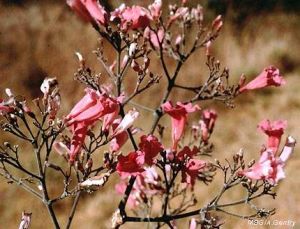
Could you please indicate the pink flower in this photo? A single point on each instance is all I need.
(89, 10)
(191, 170)
(4, 109)
(71, 150)
(110, 117)
(134, 17)
(155, 9)
(187, 152)
(51, 98)
(79, 131)
(88, 110)
(269, 167)
(129, 165)
(126, 122)
(91, 107)
(149, 148)
(217, 24)
(146, 184)
(133, 199)
(178, 115)
(5, 104)
(274, 130)
(181, 12)
(207, 123)
(193, 223)
(156, 38)
(270, 76)
(287, 149)
(119, 139)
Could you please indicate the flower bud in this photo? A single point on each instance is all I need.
(132, 49)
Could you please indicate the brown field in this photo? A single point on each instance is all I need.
(39, 40)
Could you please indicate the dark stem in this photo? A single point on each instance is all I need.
(73, 210)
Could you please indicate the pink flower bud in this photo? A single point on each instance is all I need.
(217, 23)
(208, 48)
(124, 61)
(25, 221)
(178, 40)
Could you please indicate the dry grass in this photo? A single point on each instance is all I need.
(39, 39)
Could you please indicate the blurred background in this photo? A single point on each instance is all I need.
(39, 38)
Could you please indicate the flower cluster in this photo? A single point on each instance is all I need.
(270, 165)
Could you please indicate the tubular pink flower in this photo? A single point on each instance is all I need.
(146, 184)
(191, 171)
(134, 17)
(181, 12)
(119, 139)
(217, 23)
(5, 104)
(287, 149)
(89, 11)
(193, 224)
(109, 118)
(207, 123)
(269, 167)
(187, 152)
(178, 115)
(149, 148)
(80, 10)
(274, 130)
(92, 107)
(5, 109)
(155, 9)
(129, 165)
(79, 131)
(191, 167)
(270, 76)
(88, 110)
(133, 199)
(156, 38)
(126, 122)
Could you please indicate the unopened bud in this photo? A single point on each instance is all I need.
(242, 80)
(7, 144)
(217, 23)
(124, 61)
(9, 92)
(25, 221)
(132, 49)
(240, 153)
(81, 60)
(170, 155)
(116, 219)
(89, 164)
(251, 163)
(208, 48)
(112, 66)
(178, 40)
